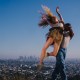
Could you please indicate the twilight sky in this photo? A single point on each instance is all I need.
(19, 31)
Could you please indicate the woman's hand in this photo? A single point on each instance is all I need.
(57, 9)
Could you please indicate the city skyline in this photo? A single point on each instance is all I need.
(19, 31)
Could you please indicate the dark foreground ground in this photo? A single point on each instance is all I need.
(30, 77)
(27, 70)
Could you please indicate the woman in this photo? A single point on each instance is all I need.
(55, 36)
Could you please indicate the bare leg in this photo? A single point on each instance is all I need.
(55, 50)
(43, 52)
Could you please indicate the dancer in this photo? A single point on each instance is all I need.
(60, 57)
(55, 35)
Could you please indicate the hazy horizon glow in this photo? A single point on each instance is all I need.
(19, 31)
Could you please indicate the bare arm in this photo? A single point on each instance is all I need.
(60, 16)
(56, 49)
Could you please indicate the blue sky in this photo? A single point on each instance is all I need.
(19, 31)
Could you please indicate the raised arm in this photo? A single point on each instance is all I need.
(60, 16)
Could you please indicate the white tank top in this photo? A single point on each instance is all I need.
(58, 25)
